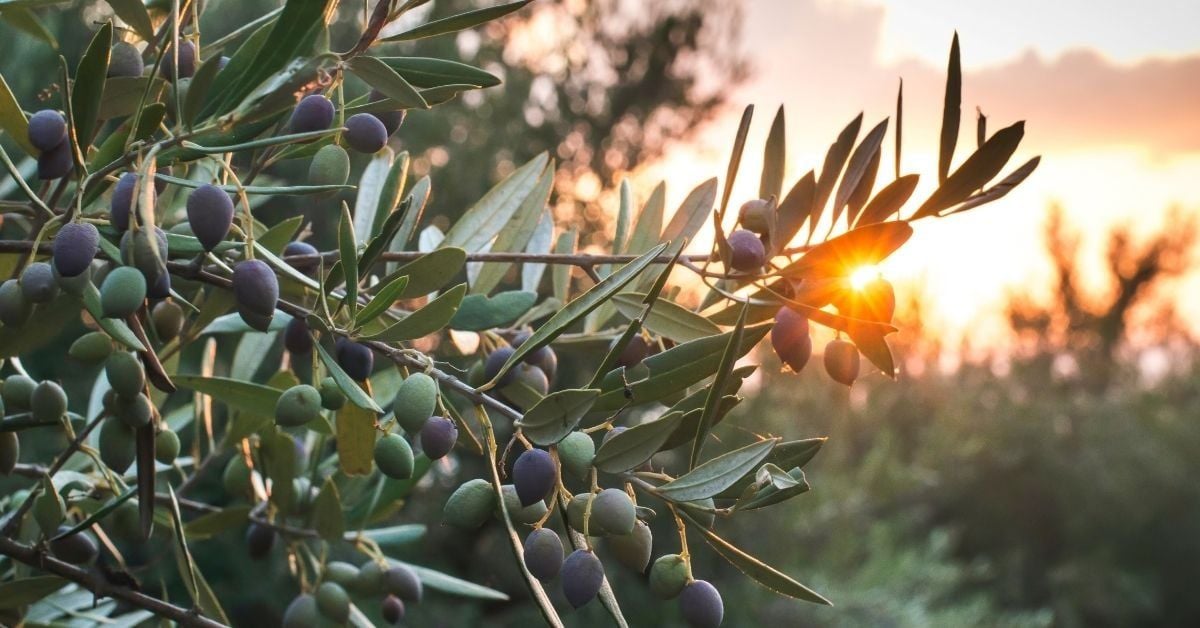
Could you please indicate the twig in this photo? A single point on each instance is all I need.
(94, 582)
(15, 520)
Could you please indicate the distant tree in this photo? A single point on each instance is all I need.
(1093, 328)
(602, 86)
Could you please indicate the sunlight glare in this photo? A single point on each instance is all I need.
(862, 276)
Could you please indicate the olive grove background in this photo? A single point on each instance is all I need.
(1054, 484)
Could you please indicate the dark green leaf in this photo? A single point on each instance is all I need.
(580, 307)
(636, 445)
(735, 160)
(556, 415)
(795, 208)
(717, 474)
(476, 228)
(790, 455)
(428, 72)
(1002, 188)
(88, 89)
(237, 394)
(982, 166)
(287, 190)
(12, 119)
(479, 311)
(757, 570)
(951, 112)
(782, 487)
(713, 402)
(858, 167)
(831, 169)
(382, 300)
(888, 201)
(353, 391)
(431, 271)
(382, 77)
(133, 13)
(348, 250)
(774, 159)
(666, 318)
(17, 593)
(430, 318)
(516, 233)
(461, 21)
(674, 370)
(328, 520)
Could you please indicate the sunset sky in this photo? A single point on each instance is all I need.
(1110, 92)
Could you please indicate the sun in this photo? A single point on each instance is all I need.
(862, 276)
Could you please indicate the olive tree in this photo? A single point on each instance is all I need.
(322, 386)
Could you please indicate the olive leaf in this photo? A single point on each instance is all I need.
(328, 520)
(666, 318)
(774, 159)
(383, 299)
(378, 74)
(478, 312)
(556, 415)
(430, 318)
(951, 112)
(15, 594)
(355, 439)
(454, 23)
(636, 445)
(717, 474)
(352, 390)
(712, 403)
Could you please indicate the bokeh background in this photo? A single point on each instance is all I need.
(1036, 462)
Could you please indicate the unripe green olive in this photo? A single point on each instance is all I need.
(470, 505)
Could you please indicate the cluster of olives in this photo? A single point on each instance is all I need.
(330, 599)
(44, 401)
(48, 134)
(534, 373)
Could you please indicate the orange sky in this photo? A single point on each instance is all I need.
(1111, 97)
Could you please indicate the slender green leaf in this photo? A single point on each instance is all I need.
(735, 159)
(580, 307)
(491, 213)
(286, 190)
(348, 250)
(237, 394)
(858, 167)
(100, 513)
(888, 201)
(636, 445)
(789, 455)
(712, 403)
(1002, 188)
(718, 474)
(951, 112)
(133, 13)
(757, 570)
(395, 537)
(666, 318)
(449, 584)
(560, 274)
(835, 160)
(774, 159)
(88, 89)
(12, 119)
(461, 21)
(353, 391)
(428, 72)
(781, 486)
(430, 318)
(382, 300)
(478, 312)
(516, 234)
(17, 593)
(982, 166)
(382, 77)
(556, 415)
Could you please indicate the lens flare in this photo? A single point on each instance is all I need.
(863, 276)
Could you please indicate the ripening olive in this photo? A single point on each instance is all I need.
(394, 457)
(470, 505)
(544, 358)
(841, 361)
(341, 572)
(10, 452)
(125, 373)
(75, 247)
(38, 283)
(493, 363)
(48, 402)
(415, 401)
(47, 129)
(633, 549)
(391, 120)
(122, 293)
(125, 60)
(369, 579)
(259, 541)
(576, 452)
(790, 339)
(582, 576)
(56, 163)
(332, 397)
(402, 582)
(78, 549)
(543, 554)
(365, 133)
(701, 605)
(186, 61)
(18, 391)
(356, 359)
(392, 609)
(166, 446)
(613, 512)
(296, 337)
(117, 444)
(210, 213)
(438, 437)
(122, 201)
(236, 477)
(746, 251)
(333, 602)
(527, 515)
(168, 319)
(313, 113)
(755, 215)
(330, 166)
(256, 290)
(301, 612)
(534, 476)
(298, 405)
(135, 411)
(306, 266)
(669, 575)
(14, 307)
(634, 352)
